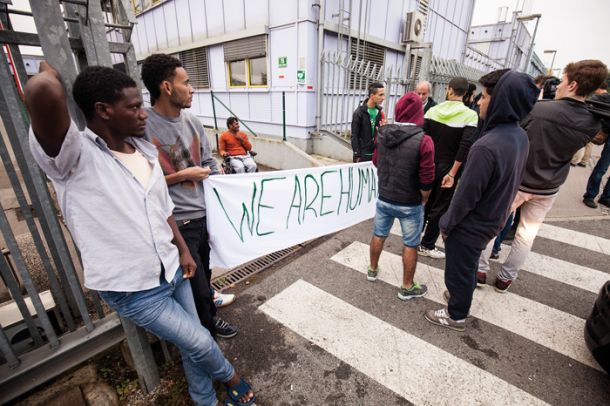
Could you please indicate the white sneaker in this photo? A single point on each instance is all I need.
(223, 299)
(434, 254)
(441, 318)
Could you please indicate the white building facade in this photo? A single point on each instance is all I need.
(508, 44)
(250, 53)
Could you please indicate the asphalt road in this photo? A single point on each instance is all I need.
(314, 331)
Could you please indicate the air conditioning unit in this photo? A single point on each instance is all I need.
(413, 30)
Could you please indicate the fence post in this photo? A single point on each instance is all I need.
(143, 359)
(284, 114)
(215, 122)
(214, 110)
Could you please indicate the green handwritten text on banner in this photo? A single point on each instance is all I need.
(251, 215)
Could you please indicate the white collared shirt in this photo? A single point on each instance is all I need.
(119, 226)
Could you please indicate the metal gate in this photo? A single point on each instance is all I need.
(345, 80)
(48, 323)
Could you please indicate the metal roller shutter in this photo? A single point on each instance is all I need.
(195, 62)
(246, 48)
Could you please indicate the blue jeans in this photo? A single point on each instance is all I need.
(168, 311)
(598, 173)
(411, 221)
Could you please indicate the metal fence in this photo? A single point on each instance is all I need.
(345, 80)
(441, 71)
(48, 323)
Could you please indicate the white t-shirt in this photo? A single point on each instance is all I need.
(137, 164)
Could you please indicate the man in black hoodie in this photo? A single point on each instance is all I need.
(481, 204)
(556, 130)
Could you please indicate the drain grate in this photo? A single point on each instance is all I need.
(250, 268)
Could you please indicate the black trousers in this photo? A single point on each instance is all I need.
(437, 205)
(461, 265)
(195, 236)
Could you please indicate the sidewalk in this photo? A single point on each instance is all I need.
(569, 205)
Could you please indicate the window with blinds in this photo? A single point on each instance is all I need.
(195, 62)
(246, 61)
(375, 54)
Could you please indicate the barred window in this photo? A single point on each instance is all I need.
(367, 52)
(195, 62)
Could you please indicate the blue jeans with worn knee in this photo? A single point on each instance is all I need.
(168, 311)
(598, 173)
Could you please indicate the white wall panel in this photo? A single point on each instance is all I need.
(283, 42)
(257, 13)
(376, 18)
(308, 41)
(198, 19)
(183, 15)
(306, 11)
(171, 25)
(150, 33)
(238, 103)
(216, 61)
(159, 26)
(214, 17)
(332, 7)
(395, 20)
(234, 15)
(260, 106)
(140, 41)
(282, 11)
(196, 105)
(205, 106)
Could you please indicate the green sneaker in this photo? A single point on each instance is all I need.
(371, 274)
(416, 290)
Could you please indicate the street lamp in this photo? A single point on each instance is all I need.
(554, 52)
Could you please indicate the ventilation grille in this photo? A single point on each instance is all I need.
(415, 64)
(367, 52)
(423, 6)
(243, 272)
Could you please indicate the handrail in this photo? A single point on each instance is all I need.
(230, 111)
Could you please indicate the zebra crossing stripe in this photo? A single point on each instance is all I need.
(552, 268)
(576, 238)
(561, 271)
(542, 324)
(412, 368)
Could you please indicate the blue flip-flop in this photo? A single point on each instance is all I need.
(235, 392)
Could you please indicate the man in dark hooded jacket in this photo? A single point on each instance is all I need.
(405, 169)
(482, 201)
(556, 129)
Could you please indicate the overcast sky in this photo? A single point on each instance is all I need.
(576, 29)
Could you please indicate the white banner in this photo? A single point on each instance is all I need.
(251, 215)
